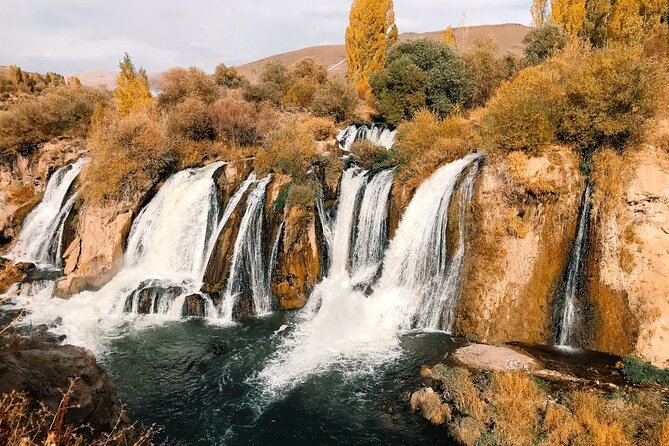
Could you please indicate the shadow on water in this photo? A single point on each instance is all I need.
(197, 381)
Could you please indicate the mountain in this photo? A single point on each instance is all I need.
(508, 36)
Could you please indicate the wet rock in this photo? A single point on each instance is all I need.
(150, 298)
(41, 367)
(11, 273)
(497, 358)
(430, 406)
(194, 306)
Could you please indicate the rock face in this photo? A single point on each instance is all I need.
(525, 212)
(233, 175)
(38, 365)
(10, 273)
(299, 263)
(628, 284)
(95, 254)
(23, 179)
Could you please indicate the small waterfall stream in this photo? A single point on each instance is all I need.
(247, 269)
(570, 318)
(379, 134)
(40, 238)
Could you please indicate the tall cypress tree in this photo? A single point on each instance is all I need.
(371, 31)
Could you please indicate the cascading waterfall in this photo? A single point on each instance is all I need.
(247, 268)
(379, 134)
(372, 227)
(40, 238)
(352, 184)
(341, 325)
(437, 310)
(569, 319)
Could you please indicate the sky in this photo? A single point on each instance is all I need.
(71, 36)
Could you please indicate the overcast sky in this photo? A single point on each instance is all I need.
(69, 36)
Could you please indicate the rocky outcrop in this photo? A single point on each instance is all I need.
(95, 254)
(525, 213)
(219, 263)
(299, 263)
(38, 365)
(628, 284)
(11, 273)
(23, 179)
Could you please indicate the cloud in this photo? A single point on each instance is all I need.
(78, 35)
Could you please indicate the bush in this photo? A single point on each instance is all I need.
(488, 70)
(288, 150)
(228, 77)
(523, 115)
(129, 154)
(303, 195)
(370, 156)
(321, 128)
(336, 99)
(420, 74)
(239, 122)
(301, 93)
(641, 372)
(542, 43)
(60, 111)
(275, 80)
(177, 84)
(190, 120)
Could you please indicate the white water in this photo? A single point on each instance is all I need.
(352, 182)
(570, 316)
(339, 324)
(247, 268)
(378, 134)
(40, 238)
(372, 225)
(166, 248)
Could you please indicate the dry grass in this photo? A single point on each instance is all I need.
(509, 408)
(23, 424)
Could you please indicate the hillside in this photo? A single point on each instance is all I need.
(509, 37)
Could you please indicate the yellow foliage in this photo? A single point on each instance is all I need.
(371, 31)
(570, 14)
(626, 24)
(448, 37)
(288, 150)
(132, 88)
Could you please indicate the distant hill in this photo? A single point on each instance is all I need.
(508, 36)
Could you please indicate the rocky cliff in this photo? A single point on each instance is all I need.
(524, 217)
(628, 283)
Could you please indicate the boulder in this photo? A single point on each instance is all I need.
(194, 306)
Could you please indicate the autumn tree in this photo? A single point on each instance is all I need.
(448, 37)
(539, 12)
(570, 14)
(595, 27)
(132, 88)
(370, 33)
(626, 24)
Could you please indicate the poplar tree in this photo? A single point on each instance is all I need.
(626, 24)
(570, 14)
(448, 37)
(597, 15)
(539, 11)
(132, 88)
(371, 31)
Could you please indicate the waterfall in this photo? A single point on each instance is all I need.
(40, 238)
(372, 228)
(340, 324)
(379, 134)
(275, 252)
(247, 268)
(352, 183)
(569, 320)
(438, 306)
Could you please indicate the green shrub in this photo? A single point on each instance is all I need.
(228, 77)
(420, 74)
(640, 372)
(542, 43)
(335, 99)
